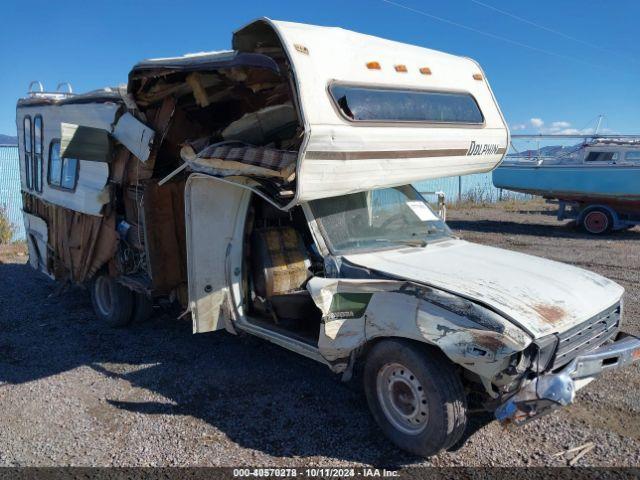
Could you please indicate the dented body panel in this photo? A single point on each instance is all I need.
(539, 295)
(358, 311)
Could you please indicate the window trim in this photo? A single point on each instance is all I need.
(38, 157)
(397, 123)
(28, 165)
(59, 186)
(614, 153)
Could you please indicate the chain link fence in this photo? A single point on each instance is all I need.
(10, 197)
(476, 188)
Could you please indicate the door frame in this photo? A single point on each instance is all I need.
(234, 274)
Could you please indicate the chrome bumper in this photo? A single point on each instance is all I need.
(553, 390)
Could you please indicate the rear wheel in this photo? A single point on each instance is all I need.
(415, 396)
(112, 302)
(597, 221)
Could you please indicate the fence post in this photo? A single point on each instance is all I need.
(459, 188)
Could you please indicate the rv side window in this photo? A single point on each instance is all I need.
(378, 104)
(602, 157)
(63, 172)
(27, 143)
(633, 156)
(37, 153)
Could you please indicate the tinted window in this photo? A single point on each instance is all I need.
(69, 173)
(395, 105)
(37, 153)
(602, 157)
(63, 172)
(28, 148)
(55, 163)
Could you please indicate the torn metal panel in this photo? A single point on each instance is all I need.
(358, 311)
(37, 239)
(343, 304)
(134, 135)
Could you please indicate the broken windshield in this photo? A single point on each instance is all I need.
(377, 219)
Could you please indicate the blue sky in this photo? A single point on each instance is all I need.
(585, 60)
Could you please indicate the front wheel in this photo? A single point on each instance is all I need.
(415, 396)
(112, 302)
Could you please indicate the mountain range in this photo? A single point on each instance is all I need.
(8, 140)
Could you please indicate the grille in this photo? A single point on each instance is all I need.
(587, 336)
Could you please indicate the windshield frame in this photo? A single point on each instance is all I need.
(323, 239)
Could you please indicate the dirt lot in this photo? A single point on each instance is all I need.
(73, 392)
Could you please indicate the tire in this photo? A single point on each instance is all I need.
(112, 302)
(142, 308)
(415, 396)
(597, 221)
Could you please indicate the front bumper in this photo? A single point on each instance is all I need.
(553, 390)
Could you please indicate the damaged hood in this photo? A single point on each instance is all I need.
(542, 296)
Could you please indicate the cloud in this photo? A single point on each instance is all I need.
(518, 126)
(536, 122)
(560, 124)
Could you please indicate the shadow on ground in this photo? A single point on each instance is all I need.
(261, 396)
(567, 230)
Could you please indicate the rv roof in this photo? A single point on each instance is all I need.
(107, 94)
(204, 60)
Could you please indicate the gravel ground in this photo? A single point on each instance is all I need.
(73, 392)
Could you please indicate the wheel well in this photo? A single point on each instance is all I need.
(364, 350)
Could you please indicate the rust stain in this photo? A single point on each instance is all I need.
(489, 341)
(550, 313)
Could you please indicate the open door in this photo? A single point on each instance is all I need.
(214, 221)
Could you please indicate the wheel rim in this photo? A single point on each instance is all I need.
(596, 222)
(402, 398)
(104, 295)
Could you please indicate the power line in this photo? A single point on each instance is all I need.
(491, 35)
(551, 30)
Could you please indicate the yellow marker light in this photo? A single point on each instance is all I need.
(636, 355)
(301, 48)
(373, 66)
(425, 71)
(400, 68)
(477, 76)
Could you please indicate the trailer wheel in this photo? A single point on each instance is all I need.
(597, 221)
(415, 396)
(112, 302)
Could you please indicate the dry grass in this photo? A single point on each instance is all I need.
(12, 251)
(7, 229)
(509, 205)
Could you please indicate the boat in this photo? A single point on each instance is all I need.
(596, 183)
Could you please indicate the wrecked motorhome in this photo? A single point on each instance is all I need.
(267, 189)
